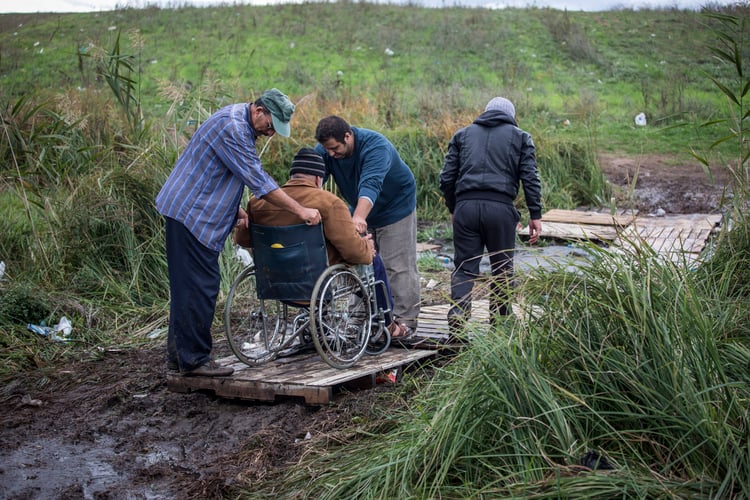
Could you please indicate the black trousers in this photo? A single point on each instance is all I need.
(480, 224)
(194, 280)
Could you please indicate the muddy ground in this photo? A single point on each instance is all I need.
(106, 427)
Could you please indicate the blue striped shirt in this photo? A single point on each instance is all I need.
(204, 190)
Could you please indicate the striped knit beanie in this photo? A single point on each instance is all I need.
(308, 161)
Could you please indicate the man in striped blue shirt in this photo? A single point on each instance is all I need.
(200, 202)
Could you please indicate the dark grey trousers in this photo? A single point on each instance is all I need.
(480, 224)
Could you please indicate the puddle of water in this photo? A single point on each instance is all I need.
(44, 469)
(528, 258)
(49, 468)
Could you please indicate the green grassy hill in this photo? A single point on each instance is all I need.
(395, 67)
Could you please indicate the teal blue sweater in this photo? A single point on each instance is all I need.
(374, 171)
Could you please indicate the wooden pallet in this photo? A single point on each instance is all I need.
(433, 322)
(679, 237)
(303, 376)
(583, 225)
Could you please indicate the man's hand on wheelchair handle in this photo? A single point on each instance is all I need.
(242, 218)
(370, 243)
(311, 216)
(360, 224)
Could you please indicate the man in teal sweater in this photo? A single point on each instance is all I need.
(382, 194)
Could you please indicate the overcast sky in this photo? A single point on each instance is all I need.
(572, 5)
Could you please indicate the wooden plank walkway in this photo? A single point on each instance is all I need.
(677, 237)
(620, 219)
(433, 322)
(303, 376)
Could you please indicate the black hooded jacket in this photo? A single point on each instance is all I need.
(486, 161)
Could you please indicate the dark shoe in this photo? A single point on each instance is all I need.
(210, 369)
(457, 340)
(172, 366)
(457, 325)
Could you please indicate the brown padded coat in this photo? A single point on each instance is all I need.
(343, 243)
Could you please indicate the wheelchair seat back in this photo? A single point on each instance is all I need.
(288, 260)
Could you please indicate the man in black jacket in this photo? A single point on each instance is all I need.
(480, 180)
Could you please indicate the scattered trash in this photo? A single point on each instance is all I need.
(640, 119)
(244, 256)
(445, 260)
(431, 284)
(566, 123)
(387, 377)
(660, 212)
(2, 269)
(596, 461)
(307, 437)
(388, 52)
(27, 400)
(64, 328)
(158, 332)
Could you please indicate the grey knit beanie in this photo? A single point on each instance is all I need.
(501, 104)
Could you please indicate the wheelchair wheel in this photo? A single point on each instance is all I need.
(379, 341)
(340, 316)
(255, 328)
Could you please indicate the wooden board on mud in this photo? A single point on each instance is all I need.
(582, 225)
(304, 376)
(678, 237)
(588, 217)
(433, 320)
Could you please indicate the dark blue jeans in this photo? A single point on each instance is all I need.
(480, 224)
(194, 280)
(383, 295)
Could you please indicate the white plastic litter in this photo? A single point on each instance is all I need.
(244, 256)
(156, 333)
(640, 119)
(64, 328)
(2, 269)
(51, 331)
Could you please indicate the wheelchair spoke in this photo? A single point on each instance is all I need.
(256, 329)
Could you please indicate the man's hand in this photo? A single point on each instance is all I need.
(535, 229)
(370, 243)
(311, 216)
(242, 218)
(360, 224)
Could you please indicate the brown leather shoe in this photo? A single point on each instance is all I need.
(209, 369)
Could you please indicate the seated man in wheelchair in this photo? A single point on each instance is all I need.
(343, 243)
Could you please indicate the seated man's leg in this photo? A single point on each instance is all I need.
(383, 295)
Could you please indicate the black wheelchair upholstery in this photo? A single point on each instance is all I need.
(288, 260)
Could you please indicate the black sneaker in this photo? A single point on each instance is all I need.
(209, 369)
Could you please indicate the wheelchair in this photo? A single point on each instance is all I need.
(290, 300)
